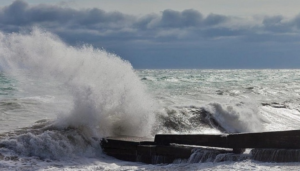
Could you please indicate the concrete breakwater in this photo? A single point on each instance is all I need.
(279, 146)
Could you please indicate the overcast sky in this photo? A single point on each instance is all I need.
(223, 34)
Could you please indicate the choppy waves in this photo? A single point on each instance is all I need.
(85, 94)
(107, 94)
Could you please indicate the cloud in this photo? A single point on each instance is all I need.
(296, 21)
(175, 19)
(277, 24)
(20, 15)
(168, 25)
(170, 29)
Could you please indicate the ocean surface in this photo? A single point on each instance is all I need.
(58, 101)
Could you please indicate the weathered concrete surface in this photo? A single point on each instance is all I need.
(197, 139)
(279, 146)
(278, 139)
(123, 147)
(143, 150)
(190, 139)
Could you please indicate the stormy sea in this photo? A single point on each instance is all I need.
(58, 101)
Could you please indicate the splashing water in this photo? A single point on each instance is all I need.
(108, 97)
(237, 118)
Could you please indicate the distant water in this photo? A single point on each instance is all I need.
(57, 102)
(239, 100)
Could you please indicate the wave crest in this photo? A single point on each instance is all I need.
(108, 97)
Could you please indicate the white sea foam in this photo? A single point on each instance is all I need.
(108, 95)
(237, 118)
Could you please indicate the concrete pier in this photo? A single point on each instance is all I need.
(278, 139)
(144, 150)
(165, 148)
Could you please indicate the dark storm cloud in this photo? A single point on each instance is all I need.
(169, 33)
(170, 19)
(169, 25)
(277, 24)
(175, 19)
(19, 13)
(296, 21)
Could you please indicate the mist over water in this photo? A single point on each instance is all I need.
(108, 97)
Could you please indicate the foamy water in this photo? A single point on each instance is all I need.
(58, 101)
(105, 90)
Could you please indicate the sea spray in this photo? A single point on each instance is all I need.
(108, 97)
(237, 118)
